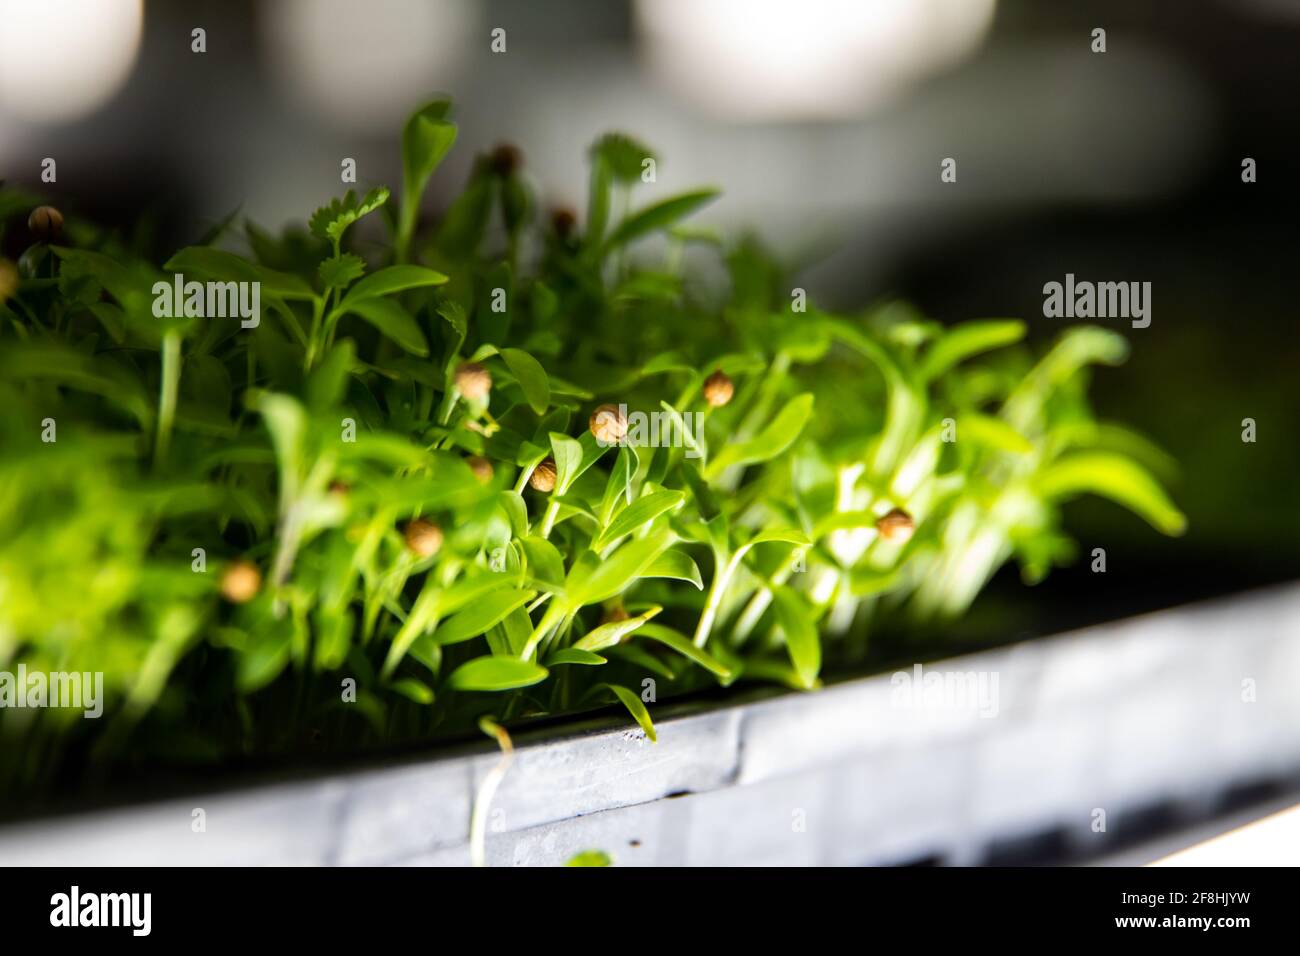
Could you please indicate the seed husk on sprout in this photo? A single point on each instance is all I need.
(718, 389)
(505, 159)
(473, 381)
(608, 424)
(423, 537)
(481, 467)
(895, 525)
(240, 582)
(46, 223)
(563, 220)
(543, 477)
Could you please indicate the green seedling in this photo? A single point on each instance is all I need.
(389, 509)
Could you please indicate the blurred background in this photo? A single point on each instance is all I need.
(825, 121)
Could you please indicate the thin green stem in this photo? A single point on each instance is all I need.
(761, 600)
(554, 614)
(716, 590)
(167, 389)
(333, 299)
(317, 315)
(548, 520)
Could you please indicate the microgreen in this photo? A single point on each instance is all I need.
(400, 463)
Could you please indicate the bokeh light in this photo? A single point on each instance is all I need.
(769, 59)
(361, 65)
(62, 59)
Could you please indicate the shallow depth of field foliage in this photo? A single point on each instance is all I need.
(445, 592)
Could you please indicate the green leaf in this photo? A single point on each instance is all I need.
(468, 590)
(204, 261)
(782, 535)
(263, 661)
(483, 614)
(338, 272)
(1115, 477)
(129, 286)
(1078, 346)
(574, 655)
(496, 674)
(607, 635)
(532, 378)
(773, 671)
(667, 362)
(643, 659)
(624, 156)
(412, 689)
(675, 565)
(327, 382)
(435, 601)
(287, 422)
(454, 315)
(618, 488)
(387, 281)
(588, 585)
(393, 321)
(427, 137)
(638, 514)
(568, 459)
(992, 433)
(516, 628)
(545, 564)
(661, 215)
(590, 858)
(865, 582)
(112, 318)
(906, 403)
(74, 370)
(779, 435)
(844, 521)
(591, 452)
(333, 219)
(967, 339)
(571, 505)
(427, 652)
(1113, 437)
(635, 707)
(683, 645)
(794, 614)
(516, 510)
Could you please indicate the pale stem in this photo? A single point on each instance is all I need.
(167, 388)
(486, 791)
(716, 590)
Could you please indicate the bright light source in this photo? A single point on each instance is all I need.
(60, 59)
(772, 59)
(367, 65)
